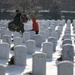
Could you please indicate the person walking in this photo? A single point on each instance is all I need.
(35, 26)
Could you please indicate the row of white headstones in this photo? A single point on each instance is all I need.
(46, 40)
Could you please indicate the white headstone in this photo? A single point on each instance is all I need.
(60, 28)
(67, 36)
(67, 52)
(68, 22)
(43, 33)
(7, 39)
(32, 33)
(16, 34)
(26, 36)
(39, 40)
(73, 31)
(4, 50)
(18, 41)
(47, 48)
(20, 55)
(53, 40)
(67, 41)
(3, 31)
(31, 46)
(59, 33)
(47, 33)
(65, 68)
(2, 70)
(54, 34)
(52, 27)
(50, 30)
(39, 64)
(8, 32)
(67, 31)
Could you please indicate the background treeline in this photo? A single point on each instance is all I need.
(32, 8)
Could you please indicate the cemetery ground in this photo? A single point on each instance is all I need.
(38, 54)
